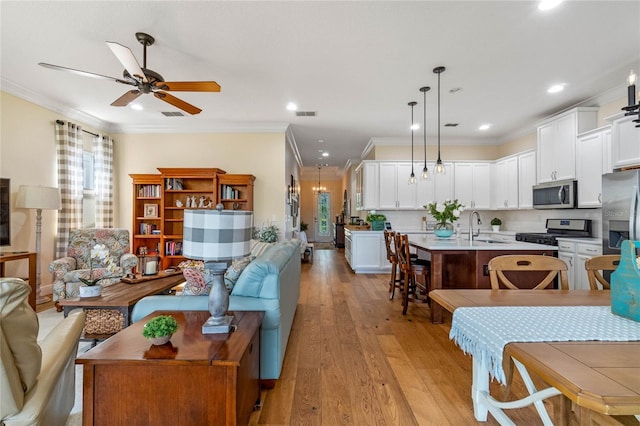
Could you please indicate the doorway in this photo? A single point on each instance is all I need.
(323, 217)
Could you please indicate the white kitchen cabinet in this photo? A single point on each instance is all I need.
(438, 188)
(506, 183)
(395, 192)
(625, 143)
(365, 252)
(575, 255)
(557, 143)
(526, 179)
(367, 184)
(472, 184)
(590, 154)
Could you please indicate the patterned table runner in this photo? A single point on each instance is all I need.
(483, 332)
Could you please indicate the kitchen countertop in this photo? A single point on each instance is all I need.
(430, 242)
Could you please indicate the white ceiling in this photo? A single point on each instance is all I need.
(357, 64)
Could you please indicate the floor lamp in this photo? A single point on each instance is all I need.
(217, 237)
(38, 198)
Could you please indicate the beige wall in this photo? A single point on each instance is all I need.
(262, 155)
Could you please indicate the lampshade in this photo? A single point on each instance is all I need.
(38, 197)
(213, 235)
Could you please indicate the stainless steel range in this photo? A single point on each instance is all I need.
(557, 228)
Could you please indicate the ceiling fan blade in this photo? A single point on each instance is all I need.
(84, 73)
(126, 58)
(188, 86)
(179, 103)
(127, 98)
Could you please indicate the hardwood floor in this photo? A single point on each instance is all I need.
(353, 359)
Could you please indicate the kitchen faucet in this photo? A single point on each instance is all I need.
(471, 234)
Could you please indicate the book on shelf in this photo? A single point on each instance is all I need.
(148, 228)
(149, 191)
(173, 248)
(228, 192)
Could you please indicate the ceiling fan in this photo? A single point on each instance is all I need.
(144, 79)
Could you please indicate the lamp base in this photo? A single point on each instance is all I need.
(218, 325)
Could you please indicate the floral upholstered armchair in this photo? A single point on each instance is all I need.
(68, 270)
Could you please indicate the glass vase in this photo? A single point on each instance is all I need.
(443, 229)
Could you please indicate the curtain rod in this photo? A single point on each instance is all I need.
(86, 131)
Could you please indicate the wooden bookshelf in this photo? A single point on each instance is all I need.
(174, 190)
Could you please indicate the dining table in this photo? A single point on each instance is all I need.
(569, 339)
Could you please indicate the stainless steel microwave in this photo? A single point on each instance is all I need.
(561, 194)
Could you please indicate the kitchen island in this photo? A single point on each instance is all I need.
(459, 263)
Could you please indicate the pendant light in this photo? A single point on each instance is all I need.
(425, 170)
(319, 189)
(439, 166)
(632, 108)
(412, 178)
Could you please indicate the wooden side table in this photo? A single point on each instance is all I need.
(8, 256)
(195, 379)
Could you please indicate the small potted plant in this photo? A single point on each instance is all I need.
(376, 220)
(495, 224)
(160, 329)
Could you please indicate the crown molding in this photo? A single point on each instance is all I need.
(204, 127)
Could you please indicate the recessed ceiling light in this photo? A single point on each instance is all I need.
(415, 126)
(291, 106)
(320, 140)
(484, 127)
(137, 107)
(556, 88)
(548, 4)
(325, 154)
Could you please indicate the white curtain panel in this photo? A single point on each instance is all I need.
(103, 180)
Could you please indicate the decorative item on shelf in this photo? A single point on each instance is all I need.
(38, 198)
(160, 329)
(412, 176)
(91, 286)
(439, 166)
(151, 210)
(445, 214)
(425, 170)
(179, 203)
(495, 224)
(632, 108)
(376, 220)
(217, 237)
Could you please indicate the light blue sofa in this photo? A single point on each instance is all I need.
(270, 283)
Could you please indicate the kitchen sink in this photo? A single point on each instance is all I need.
(484, 240)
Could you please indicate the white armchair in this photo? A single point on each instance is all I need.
(37, 382)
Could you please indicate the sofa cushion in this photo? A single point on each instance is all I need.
(261, 277)
(233, 272)
(259, 247)
(196, 284)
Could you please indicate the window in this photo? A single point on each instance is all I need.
(324, 214)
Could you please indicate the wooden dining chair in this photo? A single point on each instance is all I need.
(395, 280)
(607, 262)
(527, 263)
(414, 289)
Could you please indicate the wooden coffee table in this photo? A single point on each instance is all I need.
(195, 379)
(121, 297)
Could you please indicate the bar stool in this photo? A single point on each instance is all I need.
(411, 268)
(395, 281)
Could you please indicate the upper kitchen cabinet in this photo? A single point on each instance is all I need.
(438, 187)
(395, 190)
(367, 182)
(472, 184)
(625, 143)
(526, 179)
(557, 143)
(591, 162)
(506, 183)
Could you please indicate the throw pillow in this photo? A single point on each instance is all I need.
(234, 271)
(196, 284)
(258, 247)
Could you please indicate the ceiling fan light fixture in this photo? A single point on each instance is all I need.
(137, 107)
